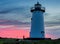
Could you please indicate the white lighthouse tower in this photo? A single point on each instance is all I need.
(37, 21)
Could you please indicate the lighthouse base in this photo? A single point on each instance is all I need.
(37, 38)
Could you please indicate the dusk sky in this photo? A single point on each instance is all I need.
(15, 16)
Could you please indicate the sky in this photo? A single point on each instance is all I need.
(15, 16)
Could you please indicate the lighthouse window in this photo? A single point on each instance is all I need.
(31, 18)
(42, 31)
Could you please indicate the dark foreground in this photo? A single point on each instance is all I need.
(20, 41)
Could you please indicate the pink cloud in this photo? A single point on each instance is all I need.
(49, 36)
(12, 31)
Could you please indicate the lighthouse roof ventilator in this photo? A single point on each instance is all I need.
(37, 21)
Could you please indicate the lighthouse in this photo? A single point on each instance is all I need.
(37, 21)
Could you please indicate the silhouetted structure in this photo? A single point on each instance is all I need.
(37, 22)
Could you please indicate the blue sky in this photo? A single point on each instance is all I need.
(17, 12)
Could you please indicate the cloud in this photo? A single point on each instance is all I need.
(5, 26)
(49, 36)
(53, 30)
(52, 24)
(15, 27)
(13, 22)
(14, 33)
(52, 19)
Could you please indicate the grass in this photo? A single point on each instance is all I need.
(15, 41)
